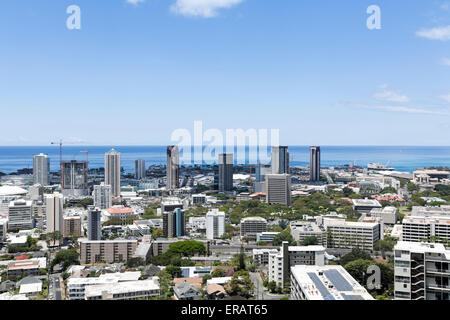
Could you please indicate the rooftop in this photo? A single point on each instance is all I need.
(330, 282)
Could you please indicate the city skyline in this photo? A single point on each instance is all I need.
(315, 64)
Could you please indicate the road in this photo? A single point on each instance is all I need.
(260, 292)
(55, 292)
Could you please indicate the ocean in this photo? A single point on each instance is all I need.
(401, 158)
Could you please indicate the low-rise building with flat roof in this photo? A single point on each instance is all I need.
(331, 282)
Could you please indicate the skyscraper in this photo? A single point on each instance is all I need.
(54, 204)
(215, 224)
(280, 160)
(139, 169)
(41, 168)
(94, 224)
(172, 167)
(112, 171)
(102, 196)
(174, 224)
(314, 166)
(225, 172)
(75, 178)
(278, 189)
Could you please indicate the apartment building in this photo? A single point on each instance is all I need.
(280, 262)
(71, 226)
(421, 271)
(106, 251)
(331, 282)
(349, 235)
(251, 226)
(261, 256)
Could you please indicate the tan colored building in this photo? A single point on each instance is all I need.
(29, 267)
(109, 251)
(72, 226)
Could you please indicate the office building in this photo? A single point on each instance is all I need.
(389, 215)
(421, 271)
(259, 184)
(54, 206)
(288, 256)
(112, 171)
(365, 205)
(102, 196)
(72, 226)
(139, 169)
(423, 227)
(20, 215)
(266, 236)
(280, 160)
(251, 226)
(278, 189)
(331, 282)
(302, 230)
(225, 172)
(94, 224)
(128, 290)
(215, 224)
(76, 286)
(314, 164)
(349, 234)
(41, 169)
(75, 179)
(174, 224)
(109, 251)
(172, 168)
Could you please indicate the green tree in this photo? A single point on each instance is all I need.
(66, 257)
(174, 271)
(218, 273)
(309, 241)
(284, 235)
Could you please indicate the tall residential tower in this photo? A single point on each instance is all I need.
(112, 171)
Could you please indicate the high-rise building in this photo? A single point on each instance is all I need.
(102, 196)
(94, 224)
(139, 169)
(36, 192)
(75, 178)
(112, 171)
(421, 271)
(109, 251)
(314, 164)
(215, 224)
(172, 167)
(225, 172)
(280, 160)
(41, 169)
(278, 189)
(71, 226)
(54, 210)
(20, 214)
(174, 224)
(260, 177)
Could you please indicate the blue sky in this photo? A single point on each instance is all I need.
(135, 72)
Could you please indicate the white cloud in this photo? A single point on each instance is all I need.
(438, 33)
(135, 2)
(445, 6)
(445, 62)
(446, 97)
(390, 95)
(402, 109)
(202, 8)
